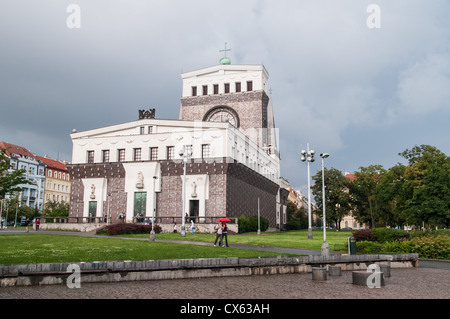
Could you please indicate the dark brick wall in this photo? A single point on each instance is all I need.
(250, 106)
(233, 189)
(113, 172)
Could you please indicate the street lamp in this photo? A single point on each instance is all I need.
(325, 246)
(152, 232)
(309, 156)
(185, 154)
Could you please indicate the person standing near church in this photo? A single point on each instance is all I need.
(225, 234)
(219, 230)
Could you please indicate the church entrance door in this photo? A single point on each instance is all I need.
(194, 206)
(140, 203)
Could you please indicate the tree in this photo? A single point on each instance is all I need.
(9, 182)
(427, 185)
(337, 197)
(56, 209)
(363, 191)
(391, 197)
(296, 218)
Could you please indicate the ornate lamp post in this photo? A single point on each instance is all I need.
(325, 246)
(185, 154)
(309, 156)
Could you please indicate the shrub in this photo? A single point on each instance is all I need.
(385, 235)
(364, 235)
(250, 223)
(368, 247)
(433, 247)
(125, 228)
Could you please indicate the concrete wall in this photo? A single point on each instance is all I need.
(113, 271)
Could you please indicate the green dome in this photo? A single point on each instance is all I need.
(225, 60)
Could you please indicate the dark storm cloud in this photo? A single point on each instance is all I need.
(357, 93)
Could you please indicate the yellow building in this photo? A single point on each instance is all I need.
(57, 181)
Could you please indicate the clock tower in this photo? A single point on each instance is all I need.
(236, 94)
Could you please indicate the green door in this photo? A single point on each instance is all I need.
(92, 210)
(140, 202)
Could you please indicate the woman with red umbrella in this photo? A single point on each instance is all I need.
(224, 230)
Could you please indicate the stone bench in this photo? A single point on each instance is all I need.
(372, 279)
(334, 270)
(319, 273)
(386, 269)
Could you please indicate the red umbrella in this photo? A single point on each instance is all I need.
(224, 220)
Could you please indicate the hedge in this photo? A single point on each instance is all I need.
(433, 247)
(250, 224)
(125, 228)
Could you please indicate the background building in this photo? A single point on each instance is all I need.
(32, 195)
(57, 183)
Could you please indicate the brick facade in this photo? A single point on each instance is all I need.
(251, 108)
(233, 189)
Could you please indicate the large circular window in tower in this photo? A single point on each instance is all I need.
(222, 114)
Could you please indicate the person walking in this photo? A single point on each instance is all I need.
(37, 224)
(219, 230)
(192, 227)
(225, 234)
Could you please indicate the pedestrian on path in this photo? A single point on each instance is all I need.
(192, 227)
(218, 229)
(225, 234)
(37, 224)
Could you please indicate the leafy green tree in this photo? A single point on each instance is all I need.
(56, 209)
(363, 191)
(337, 198)
(9, 182)
(391, 197)
(427, 186)
(296, 218)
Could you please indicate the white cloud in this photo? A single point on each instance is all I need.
(425, 86)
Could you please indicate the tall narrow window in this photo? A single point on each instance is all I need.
(90, 157)
(137, 154)
(150, 129)
(205, 90)
(170, 152)
(206, 148)
(142, 130)
(216, 88)
(238, 86)
(153, 153)
(227, 88)
(105, 156)
(121, 155)
(194, 91)
(249, 86)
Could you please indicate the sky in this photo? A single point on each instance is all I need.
(360, 80)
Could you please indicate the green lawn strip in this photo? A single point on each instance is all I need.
(44, 248)
(292, 239)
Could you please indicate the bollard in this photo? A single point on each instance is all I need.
(386, 269)
(334, 270)
(319, 273)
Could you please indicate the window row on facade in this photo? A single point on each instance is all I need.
(225, 89)
(154, 154)
(55, 174)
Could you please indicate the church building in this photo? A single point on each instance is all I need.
(219, 159)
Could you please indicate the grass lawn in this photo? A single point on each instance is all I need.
(46, 248)
(289, 239)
